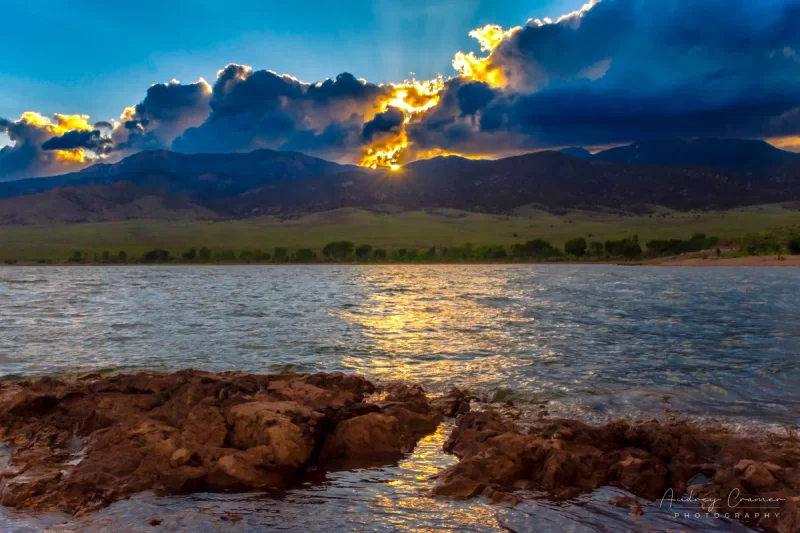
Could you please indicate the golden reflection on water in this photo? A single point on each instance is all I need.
(432, 326)
(410, 497)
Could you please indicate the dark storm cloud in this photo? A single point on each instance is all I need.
(262, 109)
(389, 122)
(626, 70)
(91, 140)
(474, 96)
(167, 110)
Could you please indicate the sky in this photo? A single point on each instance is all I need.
(82, 49)
(77, 79)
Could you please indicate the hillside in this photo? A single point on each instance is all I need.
(94, 203)
(387, 228)
(550, 179)
(197, 175)
(173, 186)
(738, 155)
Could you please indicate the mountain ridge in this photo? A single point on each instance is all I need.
(267, 181)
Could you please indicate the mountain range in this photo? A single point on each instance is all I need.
(679, 174)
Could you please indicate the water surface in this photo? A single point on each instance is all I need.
(593, 342)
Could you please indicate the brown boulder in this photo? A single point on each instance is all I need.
(244, 471)
(373, 435)
(286, 429)
(205, 426)
(188, 431)
(567, 457)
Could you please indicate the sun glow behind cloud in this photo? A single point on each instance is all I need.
(547, 84)
(411, 97)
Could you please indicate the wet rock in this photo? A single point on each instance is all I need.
(566, 458)
(192, 431)
(244, 471)
(453, 403)
(373, 435)
(628, 503)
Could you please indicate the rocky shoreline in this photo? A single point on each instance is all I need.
(81, 443)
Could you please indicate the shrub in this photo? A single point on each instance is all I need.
(338, 249)
(698, 242)
(122, 257)
(304, 254)
(363, 251)
(760, 243)
(537, 248)
(379, 253)
(248, 255)
(628, 247)
(280, 254)
(596, 248)
(204, 254)
(576, 247)
(225, 255)
(494, 251)
(189, 255)
(76, 257)
(794, 245)
(156, 256)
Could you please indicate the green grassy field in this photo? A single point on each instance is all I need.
(415, 229)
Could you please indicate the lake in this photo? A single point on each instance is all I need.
(587, 341)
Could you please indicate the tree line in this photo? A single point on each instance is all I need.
(343, 250)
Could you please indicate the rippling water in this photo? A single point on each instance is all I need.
(591, 341)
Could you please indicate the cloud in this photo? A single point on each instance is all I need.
(167, 110)
(72, 140)
(263, 109)
(28, 157)
(624, 70)
(387, 122)
(613, 71)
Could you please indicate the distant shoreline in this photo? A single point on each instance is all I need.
(746, 261)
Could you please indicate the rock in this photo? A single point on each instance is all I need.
(244, 471)
(181, 457)
(191, 431)
(373, 435)
(155, 521)
(183, 479)
(640, 473)
(453, 403)
(759, 477)
(205, 426)
(565, 458)
(627, 502)
(285, 429)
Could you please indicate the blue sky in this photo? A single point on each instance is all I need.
(95, 58)
(608, 72)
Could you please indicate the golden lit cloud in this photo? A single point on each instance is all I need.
(61, 125)
(482, 69)
(412, 97)
(79, 155)
(791, 143)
